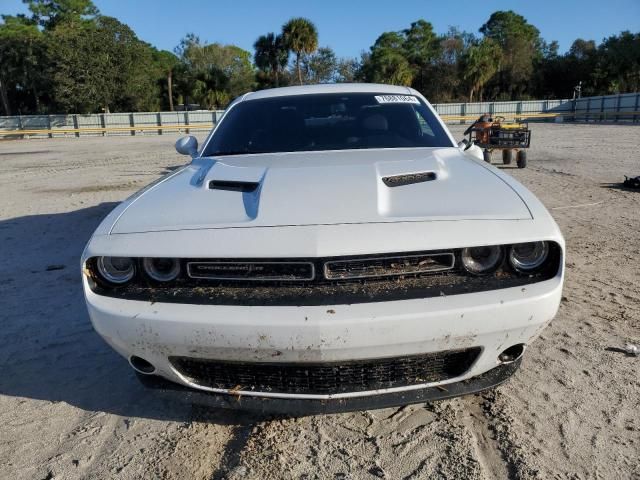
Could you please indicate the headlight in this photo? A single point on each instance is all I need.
(117, 270)
(481, 260)
(525, 257)
(161, 269)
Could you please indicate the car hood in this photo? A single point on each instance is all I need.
(323, 188)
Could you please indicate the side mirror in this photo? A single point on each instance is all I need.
(187, 146)
(465, 144)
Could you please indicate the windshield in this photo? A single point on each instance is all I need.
(327, 122)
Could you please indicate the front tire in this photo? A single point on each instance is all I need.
(507, 156)
(522, 159)
(487, 156)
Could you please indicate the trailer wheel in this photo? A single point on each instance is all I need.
(487, 156)
(521, 159)
(507, 156)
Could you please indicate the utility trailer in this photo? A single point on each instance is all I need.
(497, 134)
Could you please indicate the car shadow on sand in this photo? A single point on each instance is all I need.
(48, 348)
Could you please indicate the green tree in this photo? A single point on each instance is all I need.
(419, 58)
(213, 74)
(347, 70)
(444, 81)
(480, 64)
(618, 64)
(65, 56)
(166, 63)
(271, 55)
(582, 49)
(49, 13)
(421, 47)
(387, 61)
(611, 67)
(101, 66)
(301, 37)
(321, 66)
(557, 75)
(23, 72)
(520, 43)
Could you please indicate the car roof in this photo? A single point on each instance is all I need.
(330, 88)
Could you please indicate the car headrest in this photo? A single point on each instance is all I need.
(376, 122)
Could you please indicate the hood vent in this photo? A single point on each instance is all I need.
(233, 186)
(408, 179)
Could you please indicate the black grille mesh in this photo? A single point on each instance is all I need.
(388, 266)
(327, 378)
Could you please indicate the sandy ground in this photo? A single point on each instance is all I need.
(71, 408)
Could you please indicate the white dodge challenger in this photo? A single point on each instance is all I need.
(327, 248)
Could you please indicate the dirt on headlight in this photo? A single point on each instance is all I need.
(71, 408)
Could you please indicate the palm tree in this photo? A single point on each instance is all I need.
(481, 62)
(397, 71)
(271, 54)
(167, 62)
(300, 36)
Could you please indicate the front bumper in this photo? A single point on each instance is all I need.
(296, 406)
(492, 320)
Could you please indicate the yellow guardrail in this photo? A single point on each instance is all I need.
(207, 126)
(509, 116)
(521, 116)
(138, 128)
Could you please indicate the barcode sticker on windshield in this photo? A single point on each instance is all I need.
(397, 99)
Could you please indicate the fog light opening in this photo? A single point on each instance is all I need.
(511, 354)
(141, 365)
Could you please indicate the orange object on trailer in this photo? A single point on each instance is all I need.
(497, 134)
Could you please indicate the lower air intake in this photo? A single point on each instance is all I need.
(327, 378)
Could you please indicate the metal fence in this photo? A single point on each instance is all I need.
(616, 108)
(609, 108)
(107, 124)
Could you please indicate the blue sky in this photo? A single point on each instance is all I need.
(350, 26)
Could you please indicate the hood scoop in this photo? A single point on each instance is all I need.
(409, 179)
(235, 179)
(234, 186)
(237, 191)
